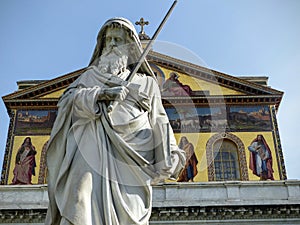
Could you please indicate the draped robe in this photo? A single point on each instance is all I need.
(261, 161)
(101, 165)
(191, 164)
(25, 165)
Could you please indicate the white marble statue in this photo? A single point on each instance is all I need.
(101, 165)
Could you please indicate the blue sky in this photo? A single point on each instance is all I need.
(45, 39)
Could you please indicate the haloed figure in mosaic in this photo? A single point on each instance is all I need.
(25, 163)
(173, 86)
(101, 164)
(190, 170)
(261, 158)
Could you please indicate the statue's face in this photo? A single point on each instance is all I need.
(114, 56)
(115, 37)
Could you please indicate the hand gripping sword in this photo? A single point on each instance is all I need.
(145, 53)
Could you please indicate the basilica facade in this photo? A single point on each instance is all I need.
(235, 171)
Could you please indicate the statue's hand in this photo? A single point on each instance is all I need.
(115, 93)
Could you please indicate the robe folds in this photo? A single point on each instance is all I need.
(190, 170)
(101, 165)
(25, 166)
(261, 161)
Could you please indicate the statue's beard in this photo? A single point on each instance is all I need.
(113, 61)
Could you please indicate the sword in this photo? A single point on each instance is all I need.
(145, 53)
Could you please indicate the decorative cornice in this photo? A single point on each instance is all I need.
(173, 215)
(277, 144)
(224, 213)
(23, 216)
(7, 153)
(45, 87)
(224, 99)
(47, 103)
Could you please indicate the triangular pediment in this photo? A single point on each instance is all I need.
(55, 94)
(227, 82)
(198, 78)
(43, 93)
(198, 85)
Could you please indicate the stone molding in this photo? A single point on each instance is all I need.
(277, 144)
(7, 154)
(43, 166)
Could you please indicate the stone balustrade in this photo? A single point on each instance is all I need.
(229, 202)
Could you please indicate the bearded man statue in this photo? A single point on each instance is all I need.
(101, 165)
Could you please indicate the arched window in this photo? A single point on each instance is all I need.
(226, 160)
